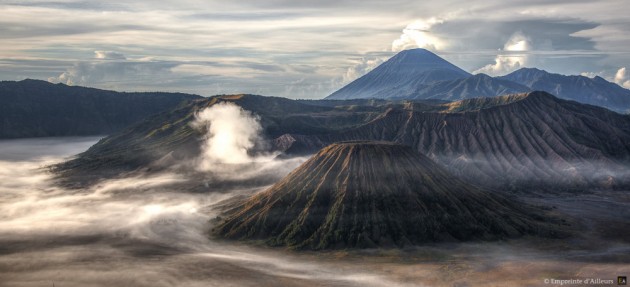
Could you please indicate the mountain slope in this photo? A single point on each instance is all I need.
(593, 91)
(476, 86)
(526, 139)
(172, 134)
(32, 108)
(509, 141)
(371, 194)
(400, 76)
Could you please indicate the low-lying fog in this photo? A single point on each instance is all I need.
(123, 232)
(144, 231)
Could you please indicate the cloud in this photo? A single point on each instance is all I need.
(364, 65)
(512, 57)
(418, 35)
(326, 37)
(590, 74)
(621, 78)
(518, 43)
(113, 70)
(109, 55)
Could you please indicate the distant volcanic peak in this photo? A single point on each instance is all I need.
(405, 71)
(422, 60)
(373, 194)
(417, 51)
(417, 55)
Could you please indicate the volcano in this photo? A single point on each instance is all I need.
(401, 76)
(374, 194)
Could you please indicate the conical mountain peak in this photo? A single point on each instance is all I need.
(403, 72)
(421, 59)
(373, 194)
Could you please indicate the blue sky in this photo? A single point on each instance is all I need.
(299, 49)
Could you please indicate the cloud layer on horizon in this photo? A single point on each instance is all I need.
(297, 49)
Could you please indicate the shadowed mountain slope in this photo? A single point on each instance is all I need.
(480, 85)
(593, 91)
(33, 108)
(531, 138)
(375, 194)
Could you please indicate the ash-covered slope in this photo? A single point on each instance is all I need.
(400, 76)
(375, 194)
(593, 91)
(526, 139)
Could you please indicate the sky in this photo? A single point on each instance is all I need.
(296, 48)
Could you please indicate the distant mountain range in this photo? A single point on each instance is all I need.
(531, 139)
(420, 74)
(34, 108)
(593, 91)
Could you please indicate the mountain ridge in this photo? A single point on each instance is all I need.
(35, 108)
(595, 91)
(411, 75)
(527, 139)
(475, 86)
(532, 138)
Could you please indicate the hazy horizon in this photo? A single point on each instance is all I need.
(299, 49)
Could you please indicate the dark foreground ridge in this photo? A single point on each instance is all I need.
(34, 108)
(375, 194)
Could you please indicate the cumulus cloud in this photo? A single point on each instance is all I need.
(364, 65)
(518, 43)
(512, 57)
(418, 35)
(621, 78)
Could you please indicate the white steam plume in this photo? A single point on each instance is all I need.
(231, 133)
